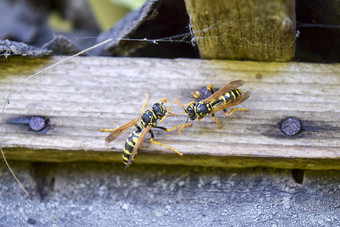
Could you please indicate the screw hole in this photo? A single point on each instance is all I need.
(44, 176)
(298, 175)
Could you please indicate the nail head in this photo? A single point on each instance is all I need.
(37, 123)
(291, 126)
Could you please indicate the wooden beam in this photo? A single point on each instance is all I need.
(88, 93)
(244, 29)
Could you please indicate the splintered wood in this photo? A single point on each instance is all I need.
(85, 94)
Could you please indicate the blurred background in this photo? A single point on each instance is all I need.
(85, 22)
(108, 12)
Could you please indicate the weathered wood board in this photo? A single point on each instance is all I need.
(244, 29)
(88, 93)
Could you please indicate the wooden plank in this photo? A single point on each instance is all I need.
(244, 29)
(88, 93)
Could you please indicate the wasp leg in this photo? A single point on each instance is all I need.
(196, 95)
(107, 129)
(214, 118)
(160, 144)
(146, 102)
(233, 110)
(210, 88)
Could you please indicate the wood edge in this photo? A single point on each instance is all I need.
(173, 159)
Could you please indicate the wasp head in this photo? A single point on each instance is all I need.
(190, 110)
(159, 110)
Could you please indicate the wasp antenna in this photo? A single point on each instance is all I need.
(190, 103)
(185, 124)
(146, 102)
(179, 130)
(163, 100)
(173, 114)
(179, 103)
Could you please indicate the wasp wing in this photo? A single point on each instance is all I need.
(231, 103)
(138, 144)
(120, 130)
(231, 86)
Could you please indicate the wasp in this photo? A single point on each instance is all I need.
(212, 102)
(148, 119)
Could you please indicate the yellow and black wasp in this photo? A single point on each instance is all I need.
(147, 120)
(212, 102)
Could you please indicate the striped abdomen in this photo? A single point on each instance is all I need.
(230, 95)
(130, 144)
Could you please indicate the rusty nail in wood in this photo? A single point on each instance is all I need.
(291, 126)
(35, 124)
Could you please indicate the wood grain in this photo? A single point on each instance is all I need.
(244, 29)
(88, 93)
